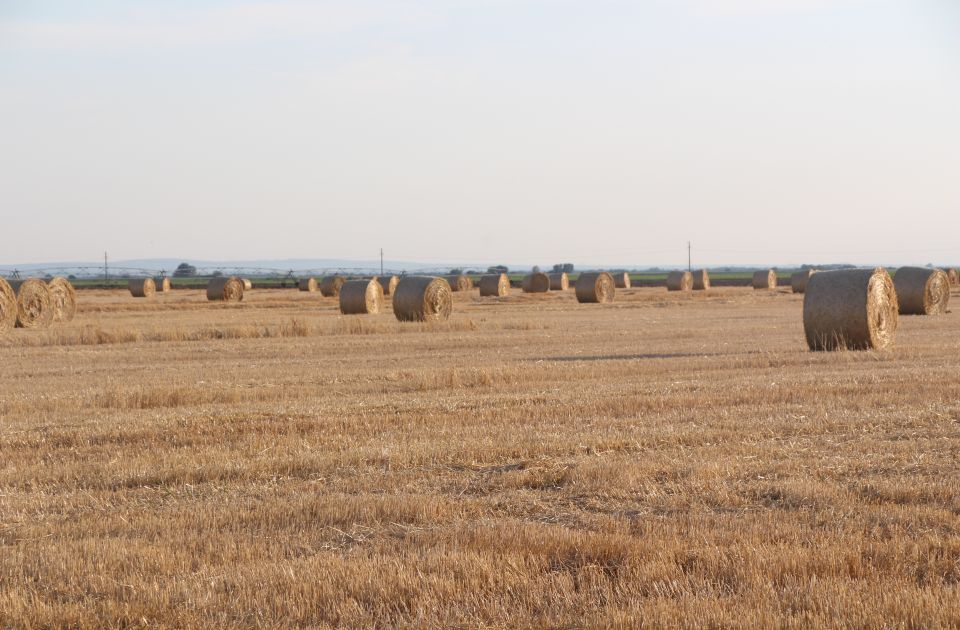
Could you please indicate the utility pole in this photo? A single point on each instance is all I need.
(106, 273)
(689, 266)
(381, 261)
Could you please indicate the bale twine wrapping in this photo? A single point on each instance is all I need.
(142, 287)
(460, 283)
(495, 285)
(63, 299)
(388, 284)
(247, 284)
(307, 284)
(422, 299)
(701, 280)
(953, 275)
(361, 297)
(162, 285)
(679, 281)
(225, 289)
(922, 291)
(854, 309)
(8, 307)
(622, 280)
(34, 303)
(536, 283)
(559, 281)
(799, 280)
(765, 280)
(330, 285)
(597, 287)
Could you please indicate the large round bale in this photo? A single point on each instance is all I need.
(361, 297)
(854, 309)
(596, 287)
(34, 303)
(63, 299)
(765, 280)
(142, 287)
(494, 285)
(679, 281)
(388, 284)
(536, 283)
(225, 289)
(162, 284)
(559, 281)
(247, 284)
(622, 280)
(922, 291)
(422, 299)
(330, 285)
(701, 280)
(307, 284)
(8, 307)
(460, 283)
(799, 280)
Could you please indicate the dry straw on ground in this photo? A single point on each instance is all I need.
(559, 281)
(8, 306)
(307, 284)
(494, 285)
(388, 284)
(34, 303)
(799, 280)
(765, 280)
(361, 297)
(225, 289)
(460, 283)
(63, 299)
(422, 299)
(595, 287)
(853, 309)
(247, 284)
(679, 281)
(701, 280)
(622, 280)
(142, 287)
(536, 283)
(330, 285)
(922, 291)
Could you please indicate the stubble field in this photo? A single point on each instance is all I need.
(665, 460)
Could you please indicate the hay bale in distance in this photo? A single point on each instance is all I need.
(388, 284)
(854, 309)
(225, 289)
(8, 307)
(361, 297)
(679, 281)
(162, 284)
(536, 283)
(953, 275)
(422, 299)
(596, 287)
(701, 280)
(307, 284)
(494, 285)
(799, 280)
(63, 300)
(34, 303)
(330, 285)
(460, 283)
(922, 291)
(142, 287)
(247, 284)
(559, 281)
(622, 280)
(765, 280)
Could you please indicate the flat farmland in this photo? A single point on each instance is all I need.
(665, 460)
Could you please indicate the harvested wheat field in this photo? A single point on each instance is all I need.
(665, 460)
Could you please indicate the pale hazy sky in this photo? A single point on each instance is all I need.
(532, 131)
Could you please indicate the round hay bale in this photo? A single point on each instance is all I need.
(679, 281)
(307, 284)
(597, 287)
(63, 299)
(622, 280)
(765, 280)
(559, 281)
(8, 307)
(330, 285)
(388, 284)
(953, 276)
(536, 283)
(459, 283)
(922, 291)
(422, 299)
(495, 285)
(142, 287)
(225, 289)
(34, 303)
(247, 284)
(162, 284)
(854, 309)
(799, 280)
(361, 297)
(701, 280)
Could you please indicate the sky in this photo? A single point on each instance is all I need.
(604, 132)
